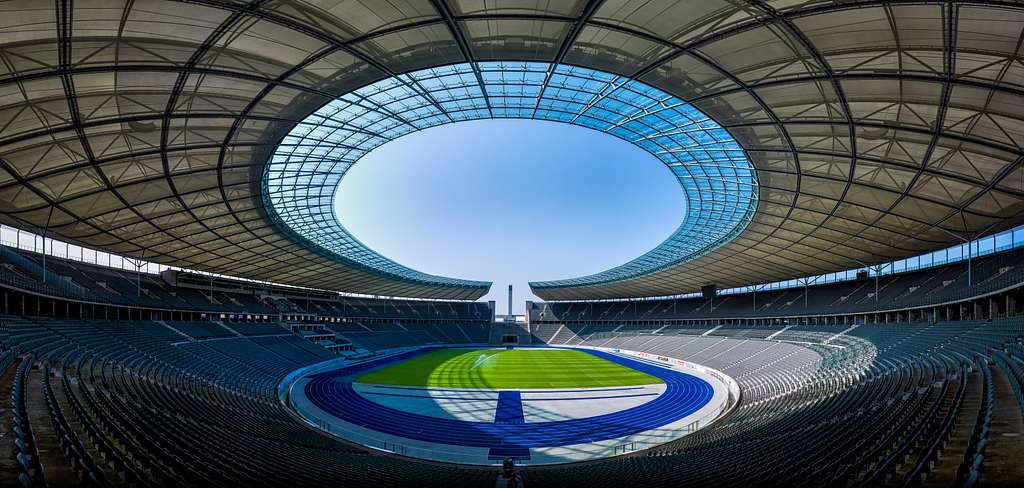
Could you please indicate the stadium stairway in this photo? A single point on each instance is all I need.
(1005, 446)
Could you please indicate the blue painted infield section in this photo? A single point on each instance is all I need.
(333, 393)
(510, 408)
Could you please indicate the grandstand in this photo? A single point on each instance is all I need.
(842, 305)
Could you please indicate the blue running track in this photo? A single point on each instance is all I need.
(684, 394)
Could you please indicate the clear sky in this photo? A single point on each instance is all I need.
(510, 201)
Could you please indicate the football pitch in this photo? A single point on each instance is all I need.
(508, 369)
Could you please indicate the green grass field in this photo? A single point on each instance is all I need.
(500, 368)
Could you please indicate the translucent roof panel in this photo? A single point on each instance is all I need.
(876, 129)
(718, 181)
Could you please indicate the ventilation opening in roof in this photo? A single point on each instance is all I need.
(510, 200)
(302, 175)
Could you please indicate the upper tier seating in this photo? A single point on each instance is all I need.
(895, 291)
(76, 280)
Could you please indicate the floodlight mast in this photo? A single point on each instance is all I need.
(510, 300)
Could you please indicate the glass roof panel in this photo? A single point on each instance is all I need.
(717, 178)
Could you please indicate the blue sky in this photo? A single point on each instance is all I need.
(510, 201)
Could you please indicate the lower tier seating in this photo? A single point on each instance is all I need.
(110, 403)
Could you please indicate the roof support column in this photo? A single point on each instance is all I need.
(45, 230)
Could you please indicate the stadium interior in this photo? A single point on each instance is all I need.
(842, 304)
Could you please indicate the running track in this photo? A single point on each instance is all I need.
(684, 394)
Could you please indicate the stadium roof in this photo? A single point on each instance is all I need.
(877, 130)
(716, 177)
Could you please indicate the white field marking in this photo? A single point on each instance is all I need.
(480, 360)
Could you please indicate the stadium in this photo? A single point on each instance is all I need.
(842, 303)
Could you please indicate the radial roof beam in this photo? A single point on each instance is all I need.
(877, 129)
